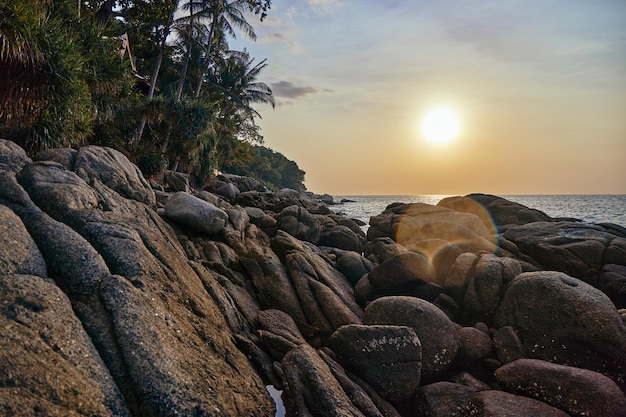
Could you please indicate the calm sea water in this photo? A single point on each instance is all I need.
(589, 208)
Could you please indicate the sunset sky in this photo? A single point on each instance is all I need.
(539, 87)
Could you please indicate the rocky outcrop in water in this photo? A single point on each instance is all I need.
(119, 299)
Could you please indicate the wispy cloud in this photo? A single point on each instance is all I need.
(291, 90)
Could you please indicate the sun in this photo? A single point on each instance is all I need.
(441, 125)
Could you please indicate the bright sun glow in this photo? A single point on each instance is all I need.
(440, 125)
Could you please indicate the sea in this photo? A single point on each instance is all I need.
(593, 208)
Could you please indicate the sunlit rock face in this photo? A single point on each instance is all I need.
(117, 300)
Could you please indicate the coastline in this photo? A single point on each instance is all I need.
(121, 290)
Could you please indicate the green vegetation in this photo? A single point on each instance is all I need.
(155, 79)
(271, 168)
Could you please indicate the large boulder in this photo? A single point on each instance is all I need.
(436, 332)
(353, 265)
(195, 213)
(387, 357)
(42, 179)
(401, 272)
(299, 223)
(340, 236)
(496, 212)
(114, 170)
(580, 392)
(312, 387)
(491, 403)
(12, 156)
(564, 320)
(48, 364)
(63, 156)
(485, 286)
(581, 250)
(431, 229)
(443, 399)
(279, 332)
(326, 296)
(18, 252)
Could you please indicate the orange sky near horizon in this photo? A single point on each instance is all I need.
(539, 87)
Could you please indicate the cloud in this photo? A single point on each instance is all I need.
(290, 90)
(326, 3)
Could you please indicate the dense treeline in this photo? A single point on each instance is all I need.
(155, 79)
(271, 168)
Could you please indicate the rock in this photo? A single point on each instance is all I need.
(242, 183)
(401, 272)
(42, 179)
(12, 156)
(279, 332)
(508, 345)
(417, 226)
(459, 274)
(313, 388)
(382, 249)
(299, 223)
(177, 181)
(502, 404)
(578, 249)
(386, 357)
(442, 399)
(114, 170)
(485, 287)
(229, 191)
(18, 252)
(327, 199)
(364, 291)
(496, 212)
(437, 334)
(580, 392)
(353, 266)
(339, 236)
(238, 218)
(63, 156)
(196, 213)
(149, 314)
(262, 220)
(564, 320)
(48, 364)
(474, 346)
(326, 297)
(360, 393)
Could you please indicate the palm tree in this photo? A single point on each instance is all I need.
(225, 16)
(167, 10)
(234, 87)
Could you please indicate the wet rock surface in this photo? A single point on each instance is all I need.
(117, 300)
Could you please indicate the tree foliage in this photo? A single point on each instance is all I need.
(59, 73)
(272, 168)
(155, 79)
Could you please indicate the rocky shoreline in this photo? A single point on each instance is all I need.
(126, 298)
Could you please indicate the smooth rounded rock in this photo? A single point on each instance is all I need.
(580, 392)
(437, 333)
(492, 403)
(402, 271)
(564, 320)
(387, 357)
(196, 213)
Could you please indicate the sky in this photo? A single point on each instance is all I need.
(539, 87)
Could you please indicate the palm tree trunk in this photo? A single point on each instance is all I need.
(207, 59)
(155, 74)
(183, 71)
(183, 74)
